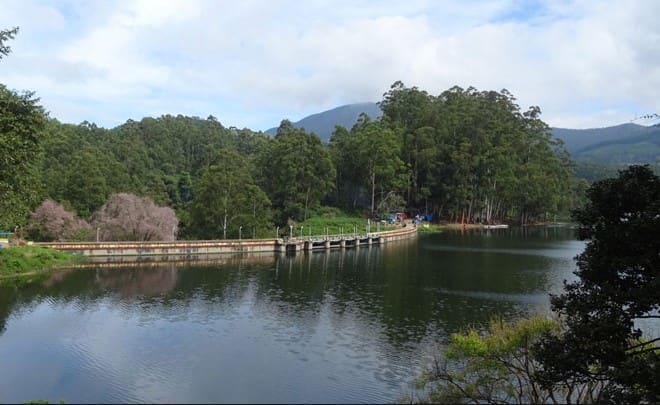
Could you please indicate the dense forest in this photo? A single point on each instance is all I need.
(463, 155)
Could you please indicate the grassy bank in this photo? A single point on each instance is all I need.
(31, 259)
(335, 221)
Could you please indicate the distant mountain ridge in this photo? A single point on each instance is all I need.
(323, 123)
(621, 144)
(578, 139)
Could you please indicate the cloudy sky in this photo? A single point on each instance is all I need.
(253, 63)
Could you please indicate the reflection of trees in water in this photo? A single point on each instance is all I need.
(379, 286)
(131, 283)
(392, 288)
(400, 289)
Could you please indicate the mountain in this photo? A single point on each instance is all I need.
(621, 144)
(323, 123)
(578, 139)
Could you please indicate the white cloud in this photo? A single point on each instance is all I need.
(584, 63)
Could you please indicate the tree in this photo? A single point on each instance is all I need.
(4, 36)
(227, 199)
(133, 218)
(413, 112)
(52, 222)
(87, 180)
(475, 156)
(297, 172)
(617, 289)
(376, 150)
(21, 122)
(368, 163)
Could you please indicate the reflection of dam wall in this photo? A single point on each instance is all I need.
(184, 249)
(159, 261)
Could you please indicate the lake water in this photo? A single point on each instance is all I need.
(329, 327)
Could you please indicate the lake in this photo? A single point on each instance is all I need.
(326, 327)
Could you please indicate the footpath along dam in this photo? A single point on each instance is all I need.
(212, 247)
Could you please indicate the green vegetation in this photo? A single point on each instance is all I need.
(463, 156)
(21, 125)
(614, 154)
(500, 365)
(597, 352)
(641, 146)
(29, 259)
(228, 199)
(428, 161)
(496, 366)
(334, 221)
(616, 290)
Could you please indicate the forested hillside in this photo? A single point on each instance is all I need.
(597, 152)
(619, 145)
(463, 155)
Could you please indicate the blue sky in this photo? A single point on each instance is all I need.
(254, 63)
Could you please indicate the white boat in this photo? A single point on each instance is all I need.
(498, 226)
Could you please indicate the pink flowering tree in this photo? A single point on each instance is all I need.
(130, 217)
(52, 222)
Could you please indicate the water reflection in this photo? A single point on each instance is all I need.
(330, 326)
(147, 282)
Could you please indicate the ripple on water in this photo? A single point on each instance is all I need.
(92, 367)
(350, 337)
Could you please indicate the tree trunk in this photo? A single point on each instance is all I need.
(373, 191)
(224, 227)
(306, 202)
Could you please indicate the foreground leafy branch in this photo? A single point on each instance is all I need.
(500, 366)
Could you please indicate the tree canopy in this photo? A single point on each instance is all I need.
(476, 155)
(463, 155)
(369, 156)
(296, 172)
(21, 121)
(617, 291)
(228, 201)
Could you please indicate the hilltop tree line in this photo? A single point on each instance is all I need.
(463, 155)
